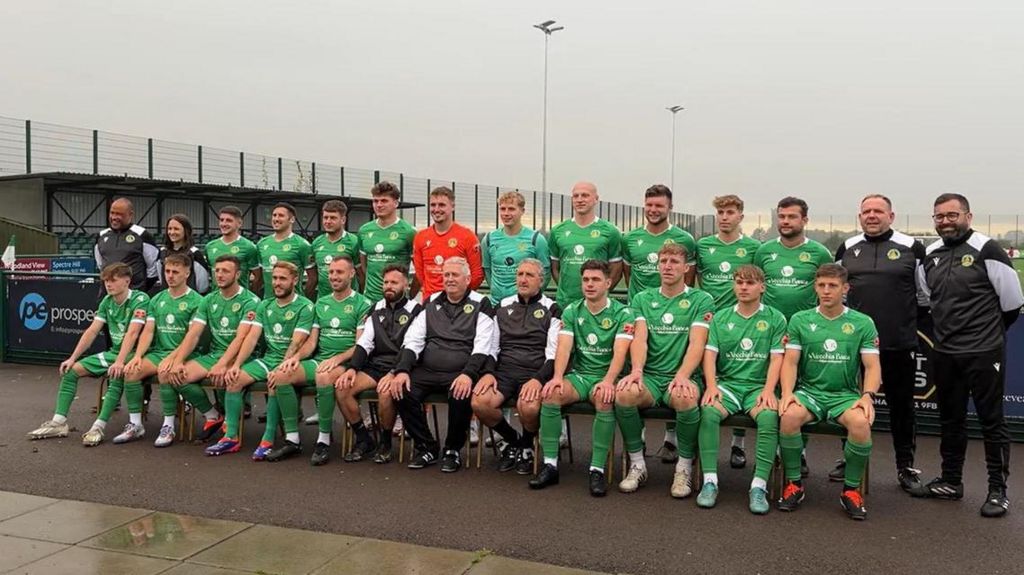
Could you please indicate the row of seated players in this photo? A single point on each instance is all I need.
(679, 353)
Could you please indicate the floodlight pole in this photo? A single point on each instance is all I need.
(548, 28)
(674, 110)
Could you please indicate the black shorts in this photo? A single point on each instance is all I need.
(510, 380)
(374, 372)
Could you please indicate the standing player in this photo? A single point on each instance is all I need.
(284, 246)
(718, 256)
(233, 243)
(442, 240)
(882, 264)
(170, 313)
(742, 362)
(790, 261)
(338, 321)
(384, 241)
(373, 362)
(584, 237)
(976, 296)
(331, 244)
(827, 348)
(123, 312)
(596, 333)
(504, 248)
(640, 255)
(227, 312)
(672, 329)
(284, 323)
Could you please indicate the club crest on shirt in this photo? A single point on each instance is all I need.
(893, 254)
(234, 249)
(287, 248)
(685, 304)
(847, 328)
(452, 242)
(289, 315)
(595, 234)
(236, 307)
(468, 308)
(741, 253)
(393, 236)
(967, 261)
(606, 323)
(538, 313)
(804, 257)
(761, 325)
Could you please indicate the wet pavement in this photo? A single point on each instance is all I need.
(159, 508)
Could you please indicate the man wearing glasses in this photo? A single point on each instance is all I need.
(975, 296)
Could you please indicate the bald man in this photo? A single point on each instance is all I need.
(128, 243)
(584, 237)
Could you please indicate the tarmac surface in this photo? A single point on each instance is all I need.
(644, 532)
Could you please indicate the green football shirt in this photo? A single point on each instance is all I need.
(830, 349)
(170, 316)
(669, 321)
(294, 249)
(117, 317)
(279, 322)
(717, 262)
(324, 252)
(594, 335)
(571, 245)
(382, 247)
(241, 248)
(223, 315)
(338, 322)
(640, 253)
(789, 274)
(745, 344)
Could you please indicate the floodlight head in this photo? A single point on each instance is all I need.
(556, 29)
(675, 109)
(546, 23)
(546, 27)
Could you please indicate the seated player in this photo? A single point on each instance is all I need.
(596, 332)
(671, 330)
(170, 312)
(372, 363)
(444, 350)
(123, 312)
(284, 324)
(827, 347)
(227, 312)
(524, 324)
(742, 361)
(338, 321)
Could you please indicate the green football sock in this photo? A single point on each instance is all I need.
(110, 399)
(195, 395)
(857, 455)
(791, 446)
(169, 399)
(631, 427)
(767, 442)
(687, 427)
(325, 407)
(233, 413)
(133, 396)
(288, 403)
(708, 429)
(550, 429)
(273, 419)
(66, 392)
(604, 431)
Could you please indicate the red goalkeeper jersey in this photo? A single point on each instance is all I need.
(430, 250)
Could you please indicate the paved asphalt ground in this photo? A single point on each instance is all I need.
(646, 532)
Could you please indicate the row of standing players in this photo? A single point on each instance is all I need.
(886, 292)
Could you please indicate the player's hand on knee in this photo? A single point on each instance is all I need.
(767, 400)
(788, 401)
(712, 395)
(462, 387)
(867, 406)
(231, 376)
(289, 365)
(553, 388)
(117, 369)
(400, 383)
(531, 390)
(487, 384)
(66, 366)
(605, 392)
(626, 382)
(327, 365)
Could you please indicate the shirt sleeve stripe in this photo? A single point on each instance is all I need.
(793, 346)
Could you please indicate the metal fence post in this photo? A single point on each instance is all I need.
(280, 174)
(376, 177)
(149, 158)
(476, 208)
(401, 187)
(95, 151)
(341, 171)
(28, 146)
(199, 162)
(312, 176)
(241, 169)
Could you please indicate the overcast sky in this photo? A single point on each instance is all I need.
(909, 98)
